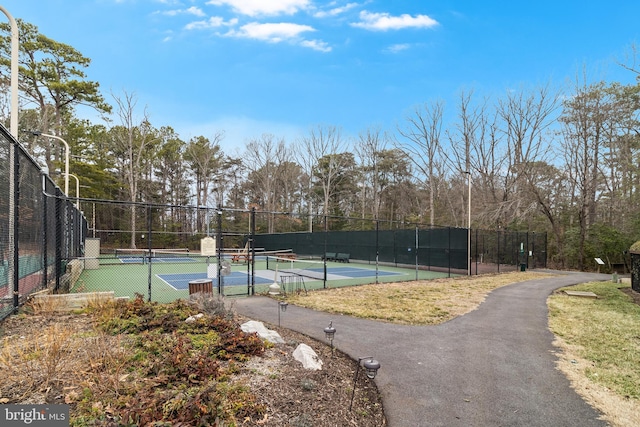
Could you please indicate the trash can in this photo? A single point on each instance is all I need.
(200, 286)
(523, 267)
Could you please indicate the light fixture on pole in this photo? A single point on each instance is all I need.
(329, 333)
(371, 367)
(77, 190)
(282, 307)
(66, 158)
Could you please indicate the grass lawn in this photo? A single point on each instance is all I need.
(423, 302)
(599, 338)
(600, 342)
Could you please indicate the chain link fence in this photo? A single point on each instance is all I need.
(446, 249)
(41, 232)
(158, 250)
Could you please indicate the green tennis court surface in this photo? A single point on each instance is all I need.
(170, 278)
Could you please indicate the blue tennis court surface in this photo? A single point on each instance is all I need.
(265, 277)
(181, 280)
(353, 272)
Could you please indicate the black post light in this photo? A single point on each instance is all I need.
(329, 333)
(282, 307)
(371, 367)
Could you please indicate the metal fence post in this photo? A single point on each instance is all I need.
(150, 248)
(252, 249)
(45, 232)
(219, 238)
(14, 215)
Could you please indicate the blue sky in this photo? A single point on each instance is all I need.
(248, 67)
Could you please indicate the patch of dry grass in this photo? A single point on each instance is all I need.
(138, 363)
(424, 302)
(600, 342)
(37, 364)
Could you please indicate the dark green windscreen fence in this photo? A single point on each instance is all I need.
(440, 248)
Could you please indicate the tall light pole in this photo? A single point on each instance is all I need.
(469, 223)
(15, 45)
(66, 158)
(12, 277)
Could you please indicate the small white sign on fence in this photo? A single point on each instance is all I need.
(208, 246)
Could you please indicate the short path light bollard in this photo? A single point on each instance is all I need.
(282, 307)
(371, 367)
(329, 333)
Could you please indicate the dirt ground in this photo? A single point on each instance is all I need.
(298, 397)
(293, 396)
(635, 296)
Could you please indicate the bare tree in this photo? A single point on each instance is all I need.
(323, 142)
(423, 146)
(132, 139)
(469, 154)
(263, 159)
(370, 147)
(583, 134)
(526, 117)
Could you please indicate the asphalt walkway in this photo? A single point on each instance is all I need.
(494, 366)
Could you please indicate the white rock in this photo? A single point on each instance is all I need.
(266, 334)
(309, 359)
(192, 319)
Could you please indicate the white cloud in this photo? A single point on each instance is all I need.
(190, 11)
(193, 10)
(395, 48)
(213, 22)
(263, 7)
(316, 45)
(384, 21)
(279, 32)
(270, 32)
(335, 11)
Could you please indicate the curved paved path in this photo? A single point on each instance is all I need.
(494, 366)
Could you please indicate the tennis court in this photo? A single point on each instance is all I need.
(170, 276)
(180, 281)
(141, 256)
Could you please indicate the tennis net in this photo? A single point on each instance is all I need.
(162, 255)
(300, 267)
